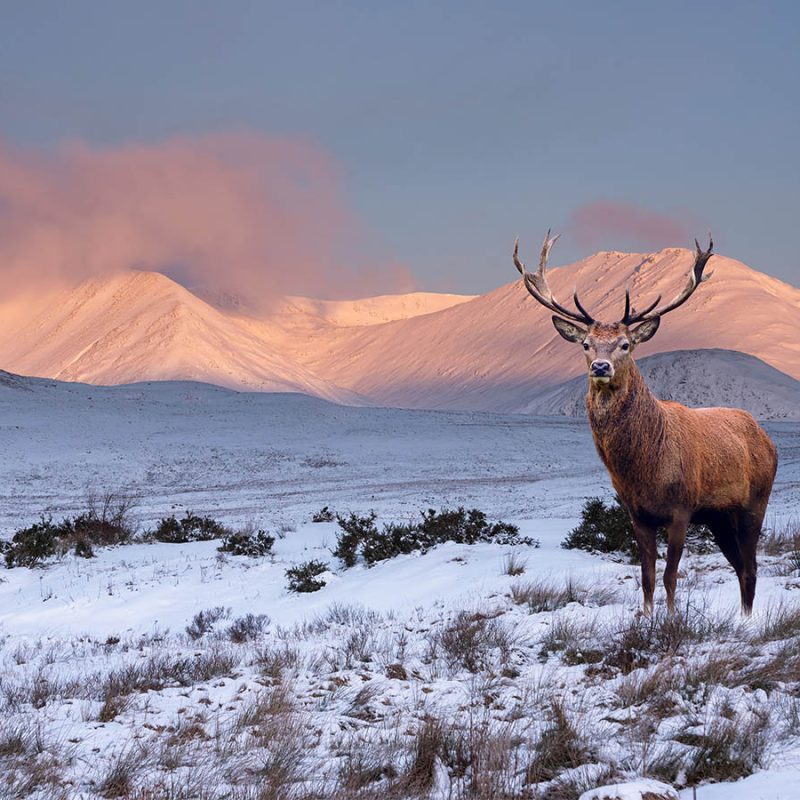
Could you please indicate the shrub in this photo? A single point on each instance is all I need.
(608, 529)
(247, 544)
(102, 525)
(246, 628)
(323, 515)
(303, 577)
(393, 540)
(360, 535)
(355, 530)
(107, 521)
(467, 527)
(203, 621)
(191, 528)
(31, 546)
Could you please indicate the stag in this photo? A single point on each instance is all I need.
(670, 465)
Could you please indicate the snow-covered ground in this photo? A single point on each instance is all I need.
(342, 692)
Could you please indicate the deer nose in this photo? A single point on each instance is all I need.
(600, 368)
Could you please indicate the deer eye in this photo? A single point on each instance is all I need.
(625, 346)
(585, 346)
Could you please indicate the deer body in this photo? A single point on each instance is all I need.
(670, 465)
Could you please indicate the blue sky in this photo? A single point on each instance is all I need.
(456, 126)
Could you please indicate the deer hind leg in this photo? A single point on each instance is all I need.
(645, 536)
(747, 534)
(725, 527)
(676, 538)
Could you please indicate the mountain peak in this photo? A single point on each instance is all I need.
(426, 350)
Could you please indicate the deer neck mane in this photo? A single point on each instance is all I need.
(628, 422)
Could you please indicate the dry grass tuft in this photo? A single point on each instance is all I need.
(542, 595)
(725, 749)
(470, 638)
(561, 746)
(514, 564)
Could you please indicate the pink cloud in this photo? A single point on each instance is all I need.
(248, 214)
(618, 225)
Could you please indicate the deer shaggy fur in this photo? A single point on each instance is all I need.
(670, 465)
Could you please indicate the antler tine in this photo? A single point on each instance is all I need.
(547, 244)
(696, 277)
(538, 287)
(632, 315)
(580, 307)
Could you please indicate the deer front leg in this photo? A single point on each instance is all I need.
(645, 536)
(676, 537)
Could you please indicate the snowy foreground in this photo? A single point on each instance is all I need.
(436, 675)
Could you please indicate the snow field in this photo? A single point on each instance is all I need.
(435, 675)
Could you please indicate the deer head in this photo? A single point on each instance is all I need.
(607, 345)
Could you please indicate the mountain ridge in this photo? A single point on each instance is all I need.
(695, 378)
(493, 352)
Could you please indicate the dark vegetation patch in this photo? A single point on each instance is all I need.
(305, 577)
(191, 528)
(608, 529)
(106, 522)
(360, 536)
(243, 543)
(323, 515)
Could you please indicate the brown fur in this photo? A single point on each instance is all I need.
(672, 465)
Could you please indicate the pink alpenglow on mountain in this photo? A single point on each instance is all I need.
(421, 350)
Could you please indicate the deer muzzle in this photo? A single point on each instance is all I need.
(601, 371)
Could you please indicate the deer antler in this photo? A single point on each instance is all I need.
(536, 284)
(696, 277)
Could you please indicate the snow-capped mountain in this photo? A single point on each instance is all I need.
(496, 352)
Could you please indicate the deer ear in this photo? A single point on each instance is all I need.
(572, 333)
(647, 330)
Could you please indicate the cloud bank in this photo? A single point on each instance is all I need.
(251, 215)
(619, 226)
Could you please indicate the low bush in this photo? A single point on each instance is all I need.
(304, 577)
(355, 531)
(191, 528)
(323, 515)
(608, 529)
(203, 621)
(246, 628)
(31, 546)
(104, 524)
(253, 545)
(360, 536)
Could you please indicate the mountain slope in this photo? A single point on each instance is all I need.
(377, 310)
(143, 326)
(694, 378)
(496, 351)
